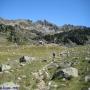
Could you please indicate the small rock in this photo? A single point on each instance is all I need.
(12, 70)
(25, 59)
(10, 86)
(22, 64)
(4, 67)
(87, 78)
(19, 78)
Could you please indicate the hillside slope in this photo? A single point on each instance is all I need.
(24, 31)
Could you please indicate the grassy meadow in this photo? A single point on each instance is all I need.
(10, 54)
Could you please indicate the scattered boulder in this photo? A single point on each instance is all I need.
(87, 59)
(0, 68)
(9, 86)
(22, 59)
(66, 73)
(58, 74)
(25, 59)
(52, 84)
(19, 78)
(71, 71)
(61, 75)
(41, 42)
(4, 67)
(87, 78)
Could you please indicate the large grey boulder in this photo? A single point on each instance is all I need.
(71, 71)
(66, 73)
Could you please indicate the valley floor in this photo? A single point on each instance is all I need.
(41, 56)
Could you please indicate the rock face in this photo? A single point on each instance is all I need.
(87, 78)
(71, 71)
(9, 86)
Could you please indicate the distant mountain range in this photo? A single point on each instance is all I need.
(23, 31)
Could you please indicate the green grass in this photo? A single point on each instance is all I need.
(40, 53)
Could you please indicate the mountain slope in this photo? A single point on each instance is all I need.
(23, 31)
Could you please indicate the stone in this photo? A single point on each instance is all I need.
(87, 59)
(11, 70)
(8, 59)
(71, 71)
(9, 86)
(41, 42)
(52, 84)
(58, 74)
(22, 59)
(19, 78)
(87, 78)
(5, 67)
(26, 59)
(22, 64)
(0, 68)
